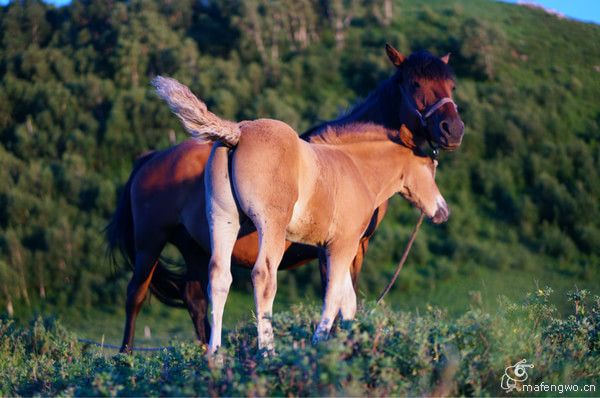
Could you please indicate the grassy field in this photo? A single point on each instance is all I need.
(524, 189)
(454, 296)
(383, 352)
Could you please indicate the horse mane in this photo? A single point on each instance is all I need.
(356, 132)
(383, 90)
(423, 65)
(381, 102)
(329, 130)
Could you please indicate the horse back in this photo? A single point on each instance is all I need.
(165, 186)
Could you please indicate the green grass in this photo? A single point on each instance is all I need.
(523, 188)
(455, 296)
(523, 191)
(456, 293)
(384, 352)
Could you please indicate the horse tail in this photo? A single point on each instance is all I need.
(119, 232)
(194, 114)
(166, 285)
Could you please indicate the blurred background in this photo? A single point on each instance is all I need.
(76, 110)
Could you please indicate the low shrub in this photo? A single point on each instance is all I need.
(381, 353)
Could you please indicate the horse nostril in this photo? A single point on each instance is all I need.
(442, 213)
(445, 127)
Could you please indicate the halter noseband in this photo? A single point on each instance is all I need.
(426, 114)
(431, 110)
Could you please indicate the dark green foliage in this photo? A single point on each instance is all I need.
(76, 110)
(382, 353)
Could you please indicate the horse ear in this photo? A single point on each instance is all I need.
(406, 136)
(445, 58)
(394, 55)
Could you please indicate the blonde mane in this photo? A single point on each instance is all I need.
(355, 133)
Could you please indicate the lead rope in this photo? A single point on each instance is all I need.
(434, 156)
(403, 259)
(116, 347)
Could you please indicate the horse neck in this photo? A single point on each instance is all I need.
(379, 108)
(376, 109)
(383, 165)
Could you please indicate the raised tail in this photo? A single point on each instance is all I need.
(166, 284)
(194, 114)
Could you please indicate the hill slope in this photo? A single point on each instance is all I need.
(76, 111)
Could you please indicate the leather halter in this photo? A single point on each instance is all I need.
(431, 109)
(427, 113)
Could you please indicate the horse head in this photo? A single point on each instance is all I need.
(424, 90)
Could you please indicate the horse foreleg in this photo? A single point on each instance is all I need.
(339, 294)
(348, 304)
(364, 244)
(323, 271)
(136, 293)
(357, 263)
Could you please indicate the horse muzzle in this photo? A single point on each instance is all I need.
(451, 134)
(442, 213)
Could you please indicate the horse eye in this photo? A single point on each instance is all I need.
(416, 85)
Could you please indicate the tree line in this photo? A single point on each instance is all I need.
(76, 110)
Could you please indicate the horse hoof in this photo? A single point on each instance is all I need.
(319, 337)
(268, 353)
(216, 360)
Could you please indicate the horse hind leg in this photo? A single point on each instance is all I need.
(224, 231)
(264, 279)
(196, 283)
(224, 225)
(145, 263)
(196, 298)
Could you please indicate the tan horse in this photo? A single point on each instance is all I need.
(163, 200)
(325, 196)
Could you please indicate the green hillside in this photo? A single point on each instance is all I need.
(76, 110)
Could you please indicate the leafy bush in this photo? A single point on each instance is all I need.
(76, 110)
(381, 353)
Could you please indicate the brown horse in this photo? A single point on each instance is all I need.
(162, 201)
(324, 197)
